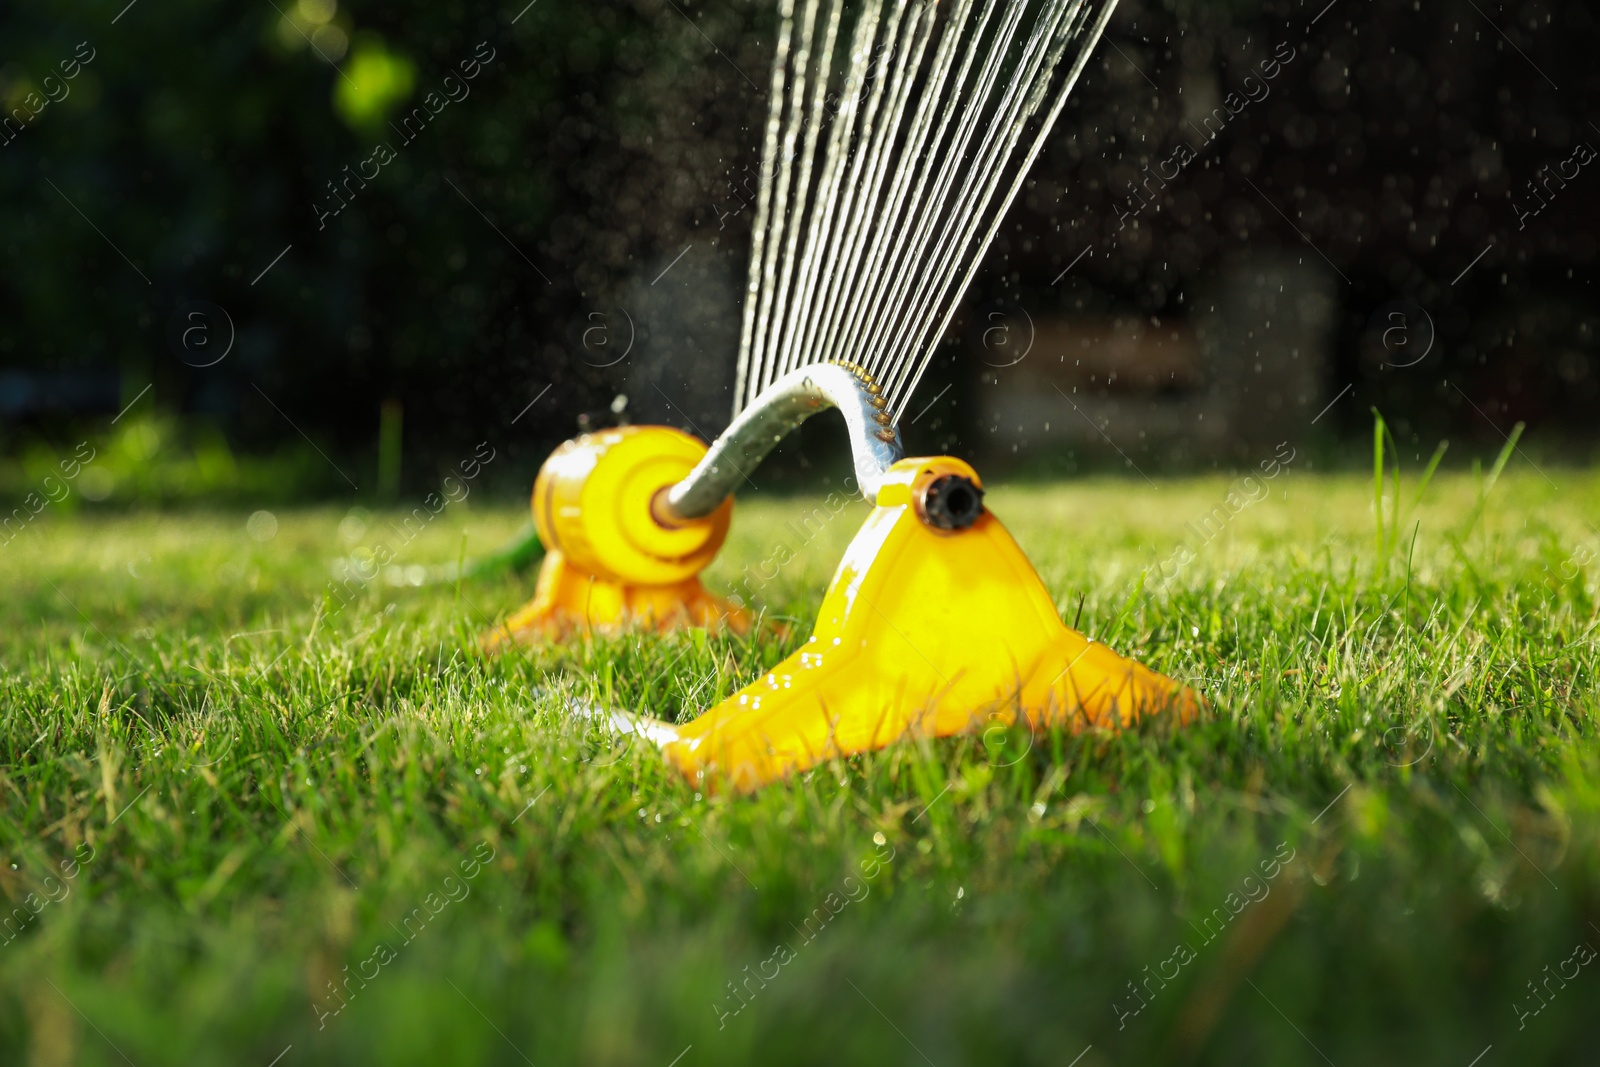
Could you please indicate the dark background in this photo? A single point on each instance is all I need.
(509, 252)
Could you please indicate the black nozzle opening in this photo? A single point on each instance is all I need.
(951, 502)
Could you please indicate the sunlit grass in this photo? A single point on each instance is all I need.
(271, 785)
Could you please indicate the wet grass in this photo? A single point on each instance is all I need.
(242, 821)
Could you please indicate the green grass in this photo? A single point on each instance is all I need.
(1403, 735)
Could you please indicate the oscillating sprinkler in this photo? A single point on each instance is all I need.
(863, 242)
(934, 623)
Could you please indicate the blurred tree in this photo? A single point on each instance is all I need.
(199, 150)
(198, 156)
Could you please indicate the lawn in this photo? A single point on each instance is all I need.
(247, 824)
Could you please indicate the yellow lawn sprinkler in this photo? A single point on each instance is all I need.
(935, 622)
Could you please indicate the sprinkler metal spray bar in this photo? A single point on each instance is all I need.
(789, 401)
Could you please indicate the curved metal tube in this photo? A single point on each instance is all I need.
(781, 407)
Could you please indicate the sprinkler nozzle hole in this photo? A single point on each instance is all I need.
(950, 502)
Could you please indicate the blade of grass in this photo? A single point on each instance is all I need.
(1377, 480)
(1487, 485)
(1427, 475)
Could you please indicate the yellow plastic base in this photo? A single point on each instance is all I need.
(923, 632)
(569, 601)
